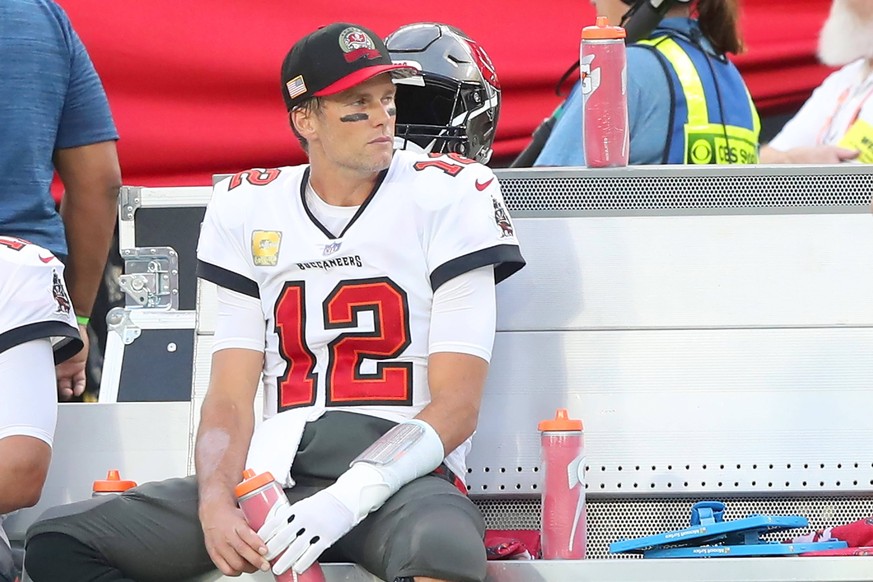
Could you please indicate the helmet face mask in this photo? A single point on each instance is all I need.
(454, 105)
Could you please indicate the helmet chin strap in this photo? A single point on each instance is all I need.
(449, 145)
(403, 143)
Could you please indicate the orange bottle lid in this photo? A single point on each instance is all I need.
(603, 31)
(560, 422)
(252, 481)
(113, 483)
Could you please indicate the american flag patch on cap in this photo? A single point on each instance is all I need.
(296, 86)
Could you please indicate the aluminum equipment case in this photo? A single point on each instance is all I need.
(150, 340)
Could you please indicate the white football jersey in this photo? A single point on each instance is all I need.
(348, 313)
(34, 302)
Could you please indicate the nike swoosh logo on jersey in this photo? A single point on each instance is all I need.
(47, 259)
(482, 186)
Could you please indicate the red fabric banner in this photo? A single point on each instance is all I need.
(194, 84)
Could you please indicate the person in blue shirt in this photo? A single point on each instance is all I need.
(687, 103)
(54, 116)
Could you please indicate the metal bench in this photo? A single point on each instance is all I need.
(711, 326)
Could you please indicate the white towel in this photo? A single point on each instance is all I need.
(276, 440)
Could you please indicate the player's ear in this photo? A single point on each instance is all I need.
(303, 120)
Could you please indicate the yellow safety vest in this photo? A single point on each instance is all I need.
(705, 141)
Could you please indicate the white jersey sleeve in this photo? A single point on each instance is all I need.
(221, 254)
(473, 229)
(34, 302)
(239, 322)
(464, 315)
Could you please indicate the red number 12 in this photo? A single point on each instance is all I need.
(345, 384)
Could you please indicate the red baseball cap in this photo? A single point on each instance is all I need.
(335, 58)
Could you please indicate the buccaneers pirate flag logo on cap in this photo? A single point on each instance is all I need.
(357, 45)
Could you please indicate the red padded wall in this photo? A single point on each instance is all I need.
(194, 84)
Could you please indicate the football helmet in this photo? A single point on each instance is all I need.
(454, 104)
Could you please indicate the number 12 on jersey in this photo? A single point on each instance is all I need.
(345, 383)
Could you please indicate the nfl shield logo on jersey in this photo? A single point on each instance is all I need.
(331, 248)
(265, 247)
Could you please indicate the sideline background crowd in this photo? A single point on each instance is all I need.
(192, 85)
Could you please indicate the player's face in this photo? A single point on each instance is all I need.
(355, 129)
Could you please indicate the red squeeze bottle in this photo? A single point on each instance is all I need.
(257, 494)
(563, 524)
(603, 66)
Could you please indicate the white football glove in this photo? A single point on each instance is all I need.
(304, 530)
(310, 526)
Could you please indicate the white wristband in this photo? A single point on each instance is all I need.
(408, 451)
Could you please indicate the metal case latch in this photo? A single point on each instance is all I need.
(151, 277)
(118, 320)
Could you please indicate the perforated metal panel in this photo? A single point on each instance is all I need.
(697, 320)
(617, 518)
(578, 268)
(709, 188)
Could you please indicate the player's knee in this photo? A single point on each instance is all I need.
(447, 546)
(458, 537)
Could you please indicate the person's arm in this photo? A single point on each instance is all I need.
(798, 140)
(91, 177)
(456, 383)
(86, 161)
(226, 427)
(824, 154)
(227, 412)
(462, 329)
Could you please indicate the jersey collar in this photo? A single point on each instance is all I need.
(305, 180)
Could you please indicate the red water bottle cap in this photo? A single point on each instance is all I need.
(603, 31)
(113, 483)
(560, 422)
(252, 481)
